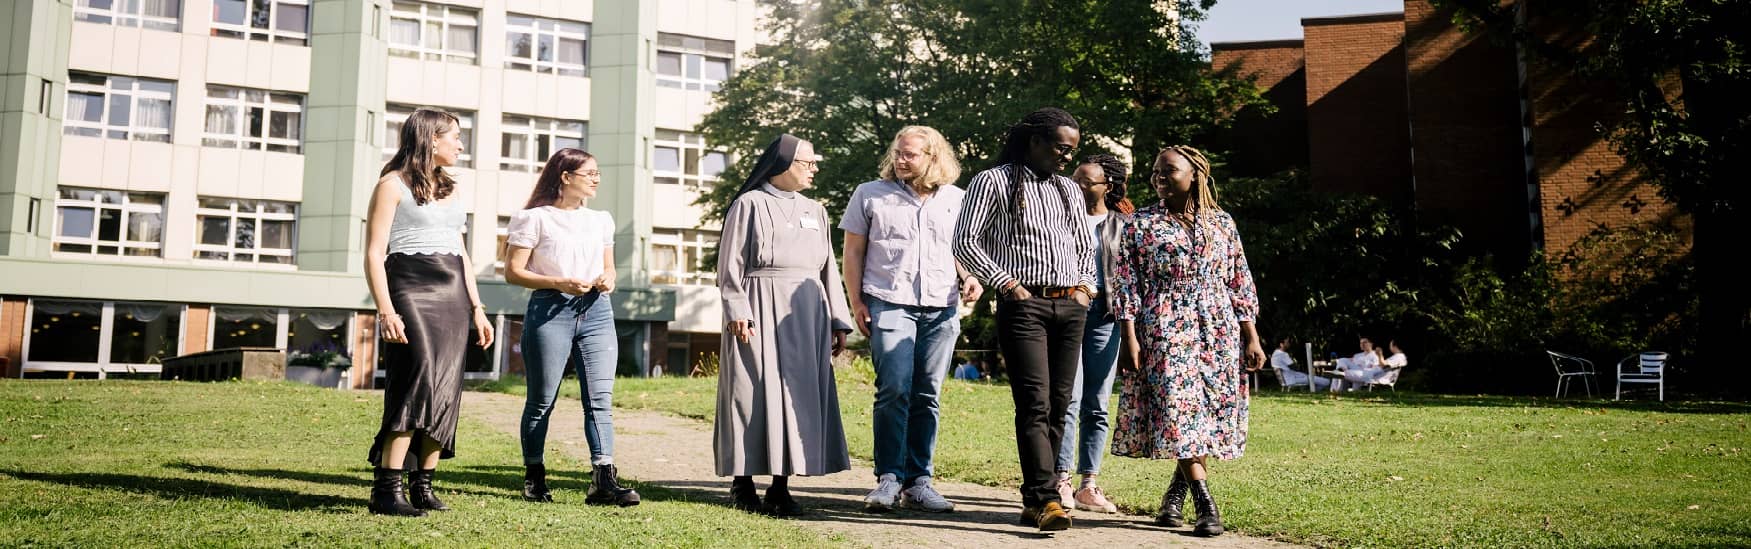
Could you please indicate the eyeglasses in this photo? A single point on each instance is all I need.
(1091, 183)
(807, 164)
(592, 174)
(1063, 149)
(911, 156)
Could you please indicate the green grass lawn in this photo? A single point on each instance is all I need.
(132, 463)
(1378, 469)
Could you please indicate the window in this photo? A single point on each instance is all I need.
(526, 142)
(283, 21)
(118, 107)
(676, 256)
(434, 32)
(247, 327)
(681, 157)
(546, 45)
(319, 329)
(254, 119)
(687, 62)
(151, 14)
(246, 231)
(103, 222)
(395, 115)
(93, 335)
(504, 232)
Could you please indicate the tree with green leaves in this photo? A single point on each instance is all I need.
(1681, 71)
(848, 74)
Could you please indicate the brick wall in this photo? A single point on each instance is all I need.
(364, 350)
(12, 326)
(1582, 183)
(1259, 144)
(1469, 165)
(1358, 129)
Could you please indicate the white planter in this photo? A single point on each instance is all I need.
(320, 377)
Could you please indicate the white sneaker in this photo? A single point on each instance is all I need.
(1066, 494)
(881, 499)
(925, 498)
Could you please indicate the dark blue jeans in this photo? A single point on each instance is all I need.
(912, 348)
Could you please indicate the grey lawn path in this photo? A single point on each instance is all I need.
(675, 453)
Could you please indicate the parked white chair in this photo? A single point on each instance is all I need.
(1647, 367)
(1388, 378)
(1569, 367)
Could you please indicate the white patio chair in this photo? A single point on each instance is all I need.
(1648, 367)
(1568, 367)
(1388, 378)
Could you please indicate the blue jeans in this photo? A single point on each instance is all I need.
(578, 329)
(912, 348)
(1088, 398)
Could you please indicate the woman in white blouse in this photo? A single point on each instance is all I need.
(565, 252)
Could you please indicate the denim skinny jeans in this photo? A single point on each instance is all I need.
(1088, 398)
(911, 347)
(557, 329)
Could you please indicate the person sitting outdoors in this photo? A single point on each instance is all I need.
(968, 370)
(1355, 378)
(1288, 372)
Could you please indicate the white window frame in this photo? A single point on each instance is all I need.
(500, 251)
(541, 29)
(234, 212)
(135, 94)
(692, 51)
(97, 204)
(442, 17)
(106, 332)
(684, 143)
(683, 241)
(531, 130)
(395, 114)
(127, 13)
(243, 101)
(272, 32)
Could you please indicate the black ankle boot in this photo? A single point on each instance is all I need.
(420, 491)
(779, 502)
(1173, 503)
(743, 494)
(605, 488)
(535, 483)
(1209, 519)
(388, 497)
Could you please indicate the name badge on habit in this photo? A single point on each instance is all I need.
(809, 223)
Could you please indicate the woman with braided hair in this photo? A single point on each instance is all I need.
(1185, 305)
(1022, 232)
(1102, 178)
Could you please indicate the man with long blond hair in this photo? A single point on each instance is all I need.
(903, 283)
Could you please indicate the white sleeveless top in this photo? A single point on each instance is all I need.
(564, 243)
(432, 228)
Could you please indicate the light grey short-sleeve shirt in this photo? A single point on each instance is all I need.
(910, 258)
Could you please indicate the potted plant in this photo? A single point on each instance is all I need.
(322, 364)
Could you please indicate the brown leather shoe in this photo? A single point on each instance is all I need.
(1053, 517)
(1030, 516)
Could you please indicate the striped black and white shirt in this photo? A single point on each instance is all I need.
(1049, 245)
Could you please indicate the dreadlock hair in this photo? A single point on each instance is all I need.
(1115, 172)
(1203, 199)
(1041, 123)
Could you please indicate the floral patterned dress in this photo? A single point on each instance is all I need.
(1187, 288)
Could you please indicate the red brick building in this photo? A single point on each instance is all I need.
(1407, 106)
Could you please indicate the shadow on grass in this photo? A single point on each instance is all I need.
(446, 479)
(845, 505)
(1424, 400)
(185, 488)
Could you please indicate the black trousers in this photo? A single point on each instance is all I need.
(1041, 342)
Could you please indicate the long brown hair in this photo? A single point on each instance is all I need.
(1203, 199)
(413, 161)
(546, 190)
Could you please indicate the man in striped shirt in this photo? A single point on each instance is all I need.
(1021, 231)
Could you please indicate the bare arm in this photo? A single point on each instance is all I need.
(605, 283)
(379, 215)
(517, 272)
(855, 248)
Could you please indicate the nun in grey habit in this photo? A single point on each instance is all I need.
(785, 318)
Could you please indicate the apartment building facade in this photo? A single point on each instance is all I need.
(178, 176)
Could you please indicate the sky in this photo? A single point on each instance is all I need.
(1249, 20)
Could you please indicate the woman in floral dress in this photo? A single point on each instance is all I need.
(1186, 305)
